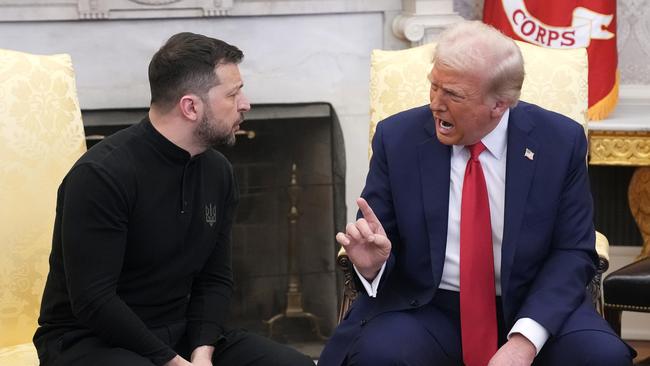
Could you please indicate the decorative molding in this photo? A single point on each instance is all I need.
(293, 7)
(154, 2)
(106, 9)
(423, 20)
(65, 10)
(627, 148)
(421, 29)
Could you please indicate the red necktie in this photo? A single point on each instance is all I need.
(478, 321)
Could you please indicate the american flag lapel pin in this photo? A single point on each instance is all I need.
(529, 154)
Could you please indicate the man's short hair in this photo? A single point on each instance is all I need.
(475, 47)
(187, 63)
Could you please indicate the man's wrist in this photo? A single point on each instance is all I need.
(369, 274)
(532, 330)
(202, 353)
(371, 286)
(524, 344)
(177, 360)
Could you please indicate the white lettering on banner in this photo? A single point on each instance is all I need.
(585, 26)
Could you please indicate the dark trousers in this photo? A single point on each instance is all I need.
(236, 348)
(430, 335)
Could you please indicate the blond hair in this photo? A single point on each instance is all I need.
(478, 48)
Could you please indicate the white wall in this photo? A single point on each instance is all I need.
(288, 59)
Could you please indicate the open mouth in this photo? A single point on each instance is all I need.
(236, 126)
(444, 125)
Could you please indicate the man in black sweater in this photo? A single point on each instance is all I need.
(140, 269)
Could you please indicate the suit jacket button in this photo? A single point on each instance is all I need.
(363, 322)
(414, 303)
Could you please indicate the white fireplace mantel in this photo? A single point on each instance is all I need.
(47, 10)
(296, 51)
(417, 21)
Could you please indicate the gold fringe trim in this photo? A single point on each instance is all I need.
(605, 106)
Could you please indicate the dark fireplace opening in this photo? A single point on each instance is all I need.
(612, 216)
(302, 143)
(295, 148)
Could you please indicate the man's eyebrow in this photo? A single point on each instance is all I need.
(236, 87)
(454, 92)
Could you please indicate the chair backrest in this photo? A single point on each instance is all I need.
(555, 79)
(41, 136)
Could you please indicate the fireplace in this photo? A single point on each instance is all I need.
(274, 143)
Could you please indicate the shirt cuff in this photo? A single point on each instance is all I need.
(371, 288)
(532, 330)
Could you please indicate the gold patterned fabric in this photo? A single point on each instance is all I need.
(20, 355)
(41, 136)
(555, 79)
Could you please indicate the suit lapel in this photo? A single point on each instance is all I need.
(434, 164)
(519, 174)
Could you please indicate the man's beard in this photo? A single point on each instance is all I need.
(208, 133)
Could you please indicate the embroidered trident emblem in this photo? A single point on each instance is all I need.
(210, 214)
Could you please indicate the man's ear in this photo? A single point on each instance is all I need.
(191, 106)
(499, 107)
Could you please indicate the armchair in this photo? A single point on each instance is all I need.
(627, 288)
(555, 80)
(41, 136)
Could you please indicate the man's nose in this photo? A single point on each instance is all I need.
(436, 104)
(244, 104)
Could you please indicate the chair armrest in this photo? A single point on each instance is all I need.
(602, 248)
(594, 288)
(350, 288)
(19, 355)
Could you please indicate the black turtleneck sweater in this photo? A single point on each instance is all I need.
(141, 244)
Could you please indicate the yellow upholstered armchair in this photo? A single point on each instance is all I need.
(555, 80)
(41, 136)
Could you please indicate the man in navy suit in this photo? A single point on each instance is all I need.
(411, 249)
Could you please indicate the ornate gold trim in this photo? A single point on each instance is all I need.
(639, 200)
(629, 148)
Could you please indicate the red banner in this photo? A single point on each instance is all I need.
(567, 24)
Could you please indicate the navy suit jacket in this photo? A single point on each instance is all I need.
(548, 248)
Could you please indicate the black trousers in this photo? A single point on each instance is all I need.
(236, 348)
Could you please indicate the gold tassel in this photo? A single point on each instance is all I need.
(605, 106)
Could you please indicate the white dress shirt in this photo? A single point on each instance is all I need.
(493, 162)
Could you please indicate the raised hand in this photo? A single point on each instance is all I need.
(366, 242)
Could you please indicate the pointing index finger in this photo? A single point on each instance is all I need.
(366, 211)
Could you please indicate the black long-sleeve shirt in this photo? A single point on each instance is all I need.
(141, 241)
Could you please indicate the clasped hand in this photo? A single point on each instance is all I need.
(365, 242)
(202, 356)
(180, 361)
